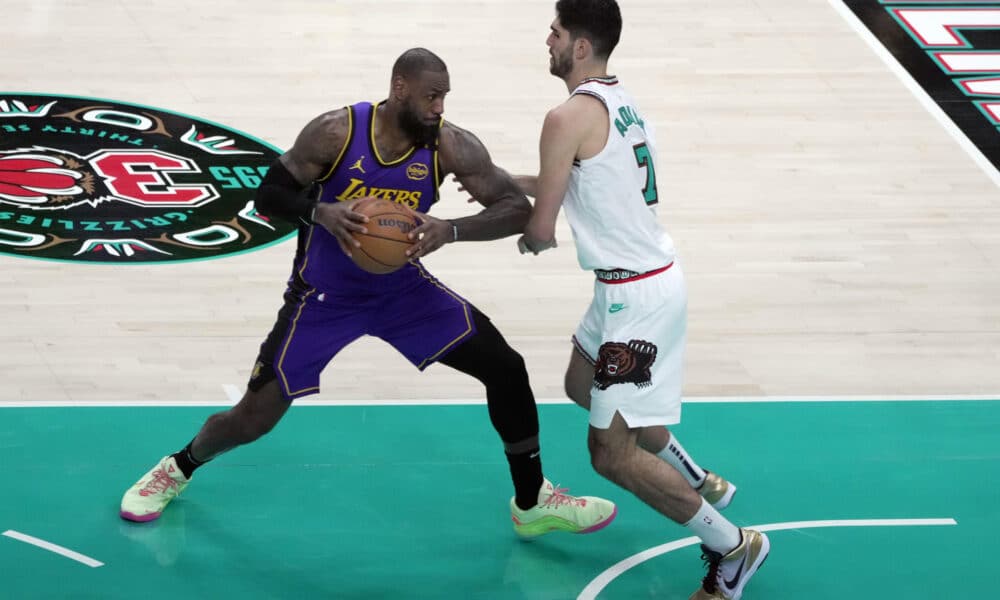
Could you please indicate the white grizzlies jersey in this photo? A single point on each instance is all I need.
(611, 199)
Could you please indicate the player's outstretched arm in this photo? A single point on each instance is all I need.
(527, 183)
(558, 147)
(507, 209)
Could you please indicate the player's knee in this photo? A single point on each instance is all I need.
(605, 459)
(604, 462)
(505, 368)
(512, 363)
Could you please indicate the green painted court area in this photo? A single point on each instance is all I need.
(411, 502)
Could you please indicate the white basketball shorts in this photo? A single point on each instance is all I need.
(634, 334)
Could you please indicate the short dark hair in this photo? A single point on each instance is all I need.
(600, 21)
(416, 60)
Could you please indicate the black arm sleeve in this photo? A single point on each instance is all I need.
(281, 196)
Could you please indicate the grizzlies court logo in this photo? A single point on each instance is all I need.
(92, 180)
(952, 51)
(624, 363)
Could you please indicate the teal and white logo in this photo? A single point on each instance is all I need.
(616, 307)
(92, 180)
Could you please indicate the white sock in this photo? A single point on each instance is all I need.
(677, 457)
(714, 530)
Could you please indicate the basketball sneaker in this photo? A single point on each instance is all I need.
(729, 574)
(716, 491)
(558, 511)
(145, 500)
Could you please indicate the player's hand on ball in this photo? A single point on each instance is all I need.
(340, 219)
(431, 234)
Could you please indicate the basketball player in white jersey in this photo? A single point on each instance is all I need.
(598, 158)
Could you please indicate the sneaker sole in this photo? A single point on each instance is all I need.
(601, 525)
(550, 524)
(139, 518)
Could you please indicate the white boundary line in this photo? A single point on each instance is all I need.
(601, 581)
(90, 562)
(917, 91)
(766, 399)
(232, 392)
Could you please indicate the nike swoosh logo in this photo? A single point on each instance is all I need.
(616, 307)
(731, 583)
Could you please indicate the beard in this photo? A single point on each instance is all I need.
(561, 64)
(415, 129)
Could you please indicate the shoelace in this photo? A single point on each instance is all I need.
(711, 580)
(558, 498)
(159, 483)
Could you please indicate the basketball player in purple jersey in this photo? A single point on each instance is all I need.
(399, 149)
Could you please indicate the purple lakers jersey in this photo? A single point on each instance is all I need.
(360, 171)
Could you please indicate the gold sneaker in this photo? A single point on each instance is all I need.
(145, 500)
(729, 574)
(716, 491)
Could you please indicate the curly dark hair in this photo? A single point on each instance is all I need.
(600, 21)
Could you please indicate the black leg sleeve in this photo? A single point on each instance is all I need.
(487, 357)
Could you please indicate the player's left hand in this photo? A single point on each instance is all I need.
(431, 234)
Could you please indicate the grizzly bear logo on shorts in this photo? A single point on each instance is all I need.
(624, 363)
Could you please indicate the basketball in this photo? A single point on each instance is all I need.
(383, 248)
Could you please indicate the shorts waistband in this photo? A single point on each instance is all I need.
(614, 276)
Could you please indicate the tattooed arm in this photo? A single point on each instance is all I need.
(289, 192)
(507, 209)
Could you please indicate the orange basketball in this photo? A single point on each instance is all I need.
(383, 248)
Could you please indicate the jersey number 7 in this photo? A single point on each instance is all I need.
(645, 160)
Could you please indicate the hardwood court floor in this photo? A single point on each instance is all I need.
(835, 237)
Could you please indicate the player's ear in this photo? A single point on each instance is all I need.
(582, 48)
(399, 87)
